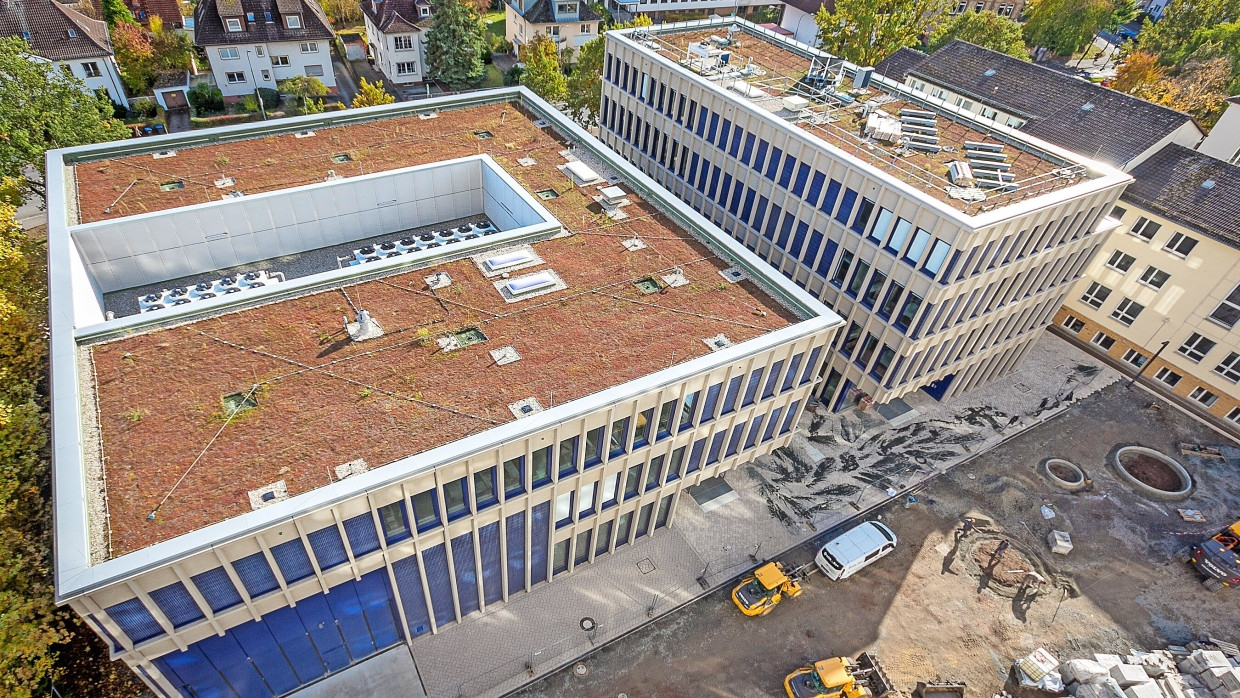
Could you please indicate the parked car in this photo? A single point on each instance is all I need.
(849, 552)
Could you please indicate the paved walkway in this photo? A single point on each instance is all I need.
(344, 82)
(837, 465)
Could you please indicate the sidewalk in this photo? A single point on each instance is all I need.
(836, 466)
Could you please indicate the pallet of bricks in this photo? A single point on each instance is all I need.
(1171, 673)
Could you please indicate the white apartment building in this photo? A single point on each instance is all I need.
(396, 37)
(1224, 139)
(285, 497)
(946, 241)
(68, 40)
(257, 43)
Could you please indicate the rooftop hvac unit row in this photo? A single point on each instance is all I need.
(918, 128)
(918, 121)
(983, 165)
(929, 148)
(917, 113)
(990, 147)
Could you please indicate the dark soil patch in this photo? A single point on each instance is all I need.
(1064, 472)
(1151, 471)
(1007, 569)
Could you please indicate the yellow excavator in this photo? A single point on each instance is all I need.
(758, 593)
(840, 677)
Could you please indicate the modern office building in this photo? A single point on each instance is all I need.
(391, 370)
(1162, 297)
(946, 240)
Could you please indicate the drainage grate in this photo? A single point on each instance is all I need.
(646, 565)
(473, 335)
(484, 134)
(342, 157)
(547, 194)
(172, 186)
(648, 285)
(238, 402)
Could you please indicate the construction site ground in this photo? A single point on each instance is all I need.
(930, 611)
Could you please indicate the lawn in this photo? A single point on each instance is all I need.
(493, 78)
(495, 22)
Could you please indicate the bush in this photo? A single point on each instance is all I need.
(512, 78)
(249, 104)
(206, 99)
(227, 119)
(271, 98)
(143, 106)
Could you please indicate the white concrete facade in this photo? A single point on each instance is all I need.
(400, 56)
(1224, 139)
(99, 73)
(239, 69)
(945, 321)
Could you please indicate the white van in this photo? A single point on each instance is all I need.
(855, 548)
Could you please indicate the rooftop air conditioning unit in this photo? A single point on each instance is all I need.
(961, 174)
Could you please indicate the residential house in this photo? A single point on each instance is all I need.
(945, 284)
(168, 11)
(570, 23)
(396, 30)
(1096, 122)
(1162, 297)
(257, 43)
(68, 40)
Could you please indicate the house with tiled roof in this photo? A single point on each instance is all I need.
(169, 11)
(569, 23)
(1161, 299)
(396, 30)
(257, 43)
(67, 39)
(1097, 122)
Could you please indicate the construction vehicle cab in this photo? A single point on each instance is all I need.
(1218, 558)
(758, 594)
(839, 677)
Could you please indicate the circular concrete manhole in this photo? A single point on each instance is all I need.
(580, 670)
(1152, 473)
(1064, 474)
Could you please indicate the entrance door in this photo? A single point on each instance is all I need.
(175, 99)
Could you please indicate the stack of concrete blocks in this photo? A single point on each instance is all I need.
(1209, 674)
(1145, 675)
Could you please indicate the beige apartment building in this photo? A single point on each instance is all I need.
(569, 23)
(1162, 297)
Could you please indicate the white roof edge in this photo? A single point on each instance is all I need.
(1108, 175)
(74, 573)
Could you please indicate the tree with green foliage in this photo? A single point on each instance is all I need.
(543, 74)
(1065, 26)
(174, 50)
(42, 107)
(867, 31)
(371, 94)
(31, 626)
(455, 44)
(305, 88)
(1196, 32)
(135, 56)
(585, 85)
(986, 29)
(116, 12)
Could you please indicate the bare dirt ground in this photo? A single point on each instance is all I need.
(944, 607)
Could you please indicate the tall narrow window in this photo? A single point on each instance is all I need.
(568, 456)
(594, 446)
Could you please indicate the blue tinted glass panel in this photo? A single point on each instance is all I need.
(540, 530)
(770, 427)
(716, 448)
(788, 420)
(328, 547)
(773, 380)
(828, 201)
(134, 620)
(846, 206)
(440, 584)
(751, 390)
(466, 575)
(256, 574)
(733, 392)
(734, 441)
(695, 455)
(361, 532)
(808, 374)
(293, 561)
(514, 542)
(755, 428)
(177, 604)
(218, 589)
(772, 166)
(791, 376)
(409, 583)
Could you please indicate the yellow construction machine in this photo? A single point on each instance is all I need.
(840, 677)
(758, 593)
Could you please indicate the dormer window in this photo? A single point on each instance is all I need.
(424, 11)
(233, 24)
(293, 21)
(566, 8)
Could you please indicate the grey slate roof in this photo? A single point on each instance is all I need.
(897, 65)
(541, 13)
(811, 6)
(1116, 129)
(1169, 183)
(395, 16)
(48, 23)
(209, 25)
